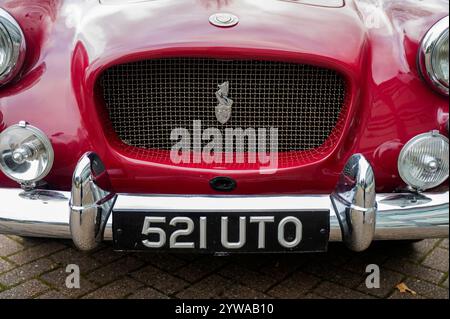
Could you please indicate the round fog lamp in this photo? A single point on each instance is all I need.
(26, 154)
(423, 161)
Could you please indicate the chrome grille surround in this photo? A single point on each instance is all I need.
(146, 100)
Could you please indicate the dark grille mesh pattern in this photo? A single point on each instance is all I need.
(146, 100)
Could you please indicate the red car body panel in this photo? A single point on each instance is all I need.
(69, 44)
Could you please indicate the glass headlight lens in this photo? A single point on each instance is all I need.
(433, 57)
(423, 162)
(5, 52)
(12, 47)
(439, 59)
(26, 154)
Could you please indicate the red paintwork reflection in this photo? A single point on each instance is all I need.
(36, 19)
(71, 42)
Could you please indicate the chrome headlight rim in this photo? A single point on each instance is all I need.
(17, 46)
(425, 55)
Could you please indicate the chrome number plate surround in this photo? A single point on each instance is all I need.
(214, 232)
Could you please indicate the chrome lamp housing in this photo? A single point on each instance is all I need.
(26, 154)
(423, 162)
(433, 59)
(12, 47)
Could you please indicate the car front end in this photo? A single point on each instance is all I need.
(224, 126)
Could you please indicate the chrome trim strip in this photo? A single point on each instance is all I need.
(399, 216)
(170, 203)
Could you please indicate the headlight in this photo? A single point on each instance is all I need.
(26, 154)
(433, 56)
(423, 161)
(12, 47)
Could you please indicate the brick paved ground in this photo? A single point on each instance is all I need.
(35, 268)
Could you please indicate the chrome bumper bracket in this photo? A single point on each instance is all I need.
(90, 205)
(354, 201)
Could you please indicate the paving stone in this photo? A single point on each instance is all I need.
(250, 261)
(238, 291)
(25, 290)
(418, 250)
(359, 262)
(26, 272)
(331, 290)
(35, 268)
(5, 266)
(213, 286)
(57, 280)
(283, 266)
(388, 281)
(295, 286)
(28, 242)
(114, 270)
(414, 270)
(336, 255)
(147, 293)
(163, 261)
(248, 277)
(159, 279)
(427, 289)
(73, 256)
(313, 296)
(118, 289)
(9, 246)
(107, 255)
(334, 274)
(414, 251)
(36, 252)
(200, 268)
(438, 259)
(445, 283)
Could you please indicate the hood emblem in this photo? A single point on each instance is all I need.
(223, 110)
(224, 20)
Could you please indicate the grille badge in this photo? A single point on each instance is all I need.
(223, 110)
(224, 20)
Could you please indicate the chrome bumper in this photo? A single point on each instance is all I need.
(357, 215)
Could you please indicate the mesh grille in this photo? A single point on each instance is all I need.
(146, 100)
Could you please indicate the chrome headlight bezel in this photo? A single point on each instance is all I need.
(15, 48)
(426, 53)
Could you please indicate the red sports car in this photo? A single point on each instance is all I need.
(224, 125)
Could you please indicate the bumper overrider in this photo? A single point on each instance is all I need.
(357, 214)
